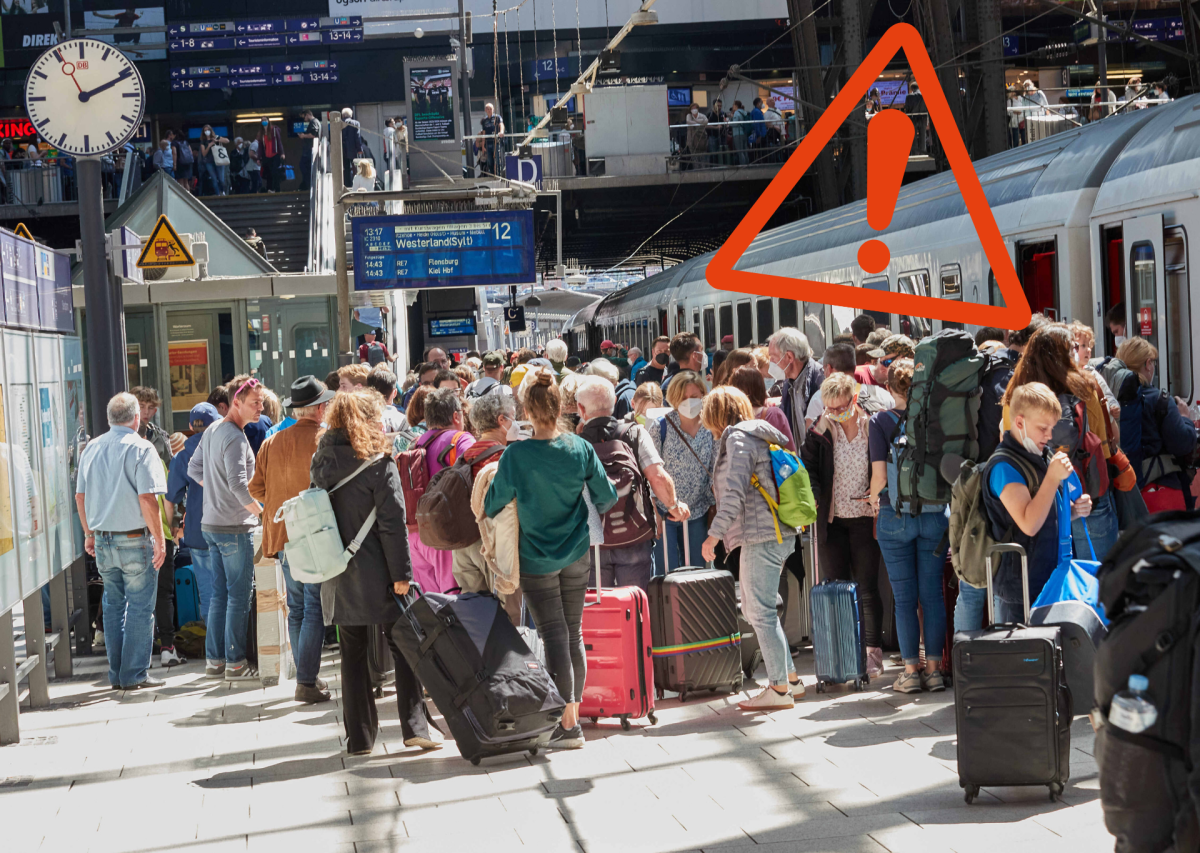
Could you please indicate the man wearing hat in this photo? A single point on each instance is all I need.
(727, 343)
(491, 380)
(281, 473)
(374, 352)
(183, 491)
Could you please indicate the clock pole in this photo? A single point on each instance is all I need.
(103, 303)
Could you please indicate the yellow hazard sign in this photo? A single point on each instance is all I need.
(22, 231)
(163, 248)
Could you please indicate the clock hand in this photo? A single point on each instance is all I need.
(85, 96)
(71, 74)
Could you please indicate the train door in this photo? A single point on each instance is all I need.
(1037, 267)
(951, 288)
(1112, 278)
(1146, 294)
(709, 338)
(1179, 315)
(661, 329)
(745, 324)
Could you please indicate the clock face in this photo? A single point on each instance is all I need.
(85, 97)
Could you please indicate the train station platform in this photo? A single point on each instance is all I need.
(198, 766)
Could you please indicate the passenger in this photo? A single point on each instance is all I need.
(733, 360)
(358, 601)
(839, 358)
(185, 491)
(1115, 320)
(219, 399)
(491, 380)
(877, 337)
(801, 375)
(861, 328)
(438, 357)
(425, 374)
(546, 475)
(256, 431)
(633, 564)
(556, 351)
(1168, 433)
(836, 454)
(989, 337)
(446, 439)
(281, 473)
(727, 343)
(1047, 359)
(647, 396)
(912, 548)
(381, 379)
(688, 354)
(1003, 360)
(750, 382)
(744, 520)
(1084, 343)
(1038, 522)
(569, 417)
(353, 376)
(223, 464)
(686, 450)
(636, 362)
(414, 419)
(622, 388)
(659, 357)
(715, 362)
(148, 403)
(517, 373)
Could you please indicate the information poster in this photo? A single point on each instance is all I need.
(106, 14)
(53, 272)
(47, 405)
(18, 268)
(189, 373)
(7, 529)
(24, 452)
(431, 91)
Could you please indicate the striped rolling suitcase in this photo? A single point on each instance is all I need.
(839, 653)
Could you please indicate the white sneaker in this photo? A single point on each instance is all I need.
(170, 657)
(797, 688)
(769, 700)
(434, 741)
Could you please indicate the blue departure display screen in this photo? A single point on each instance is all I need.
(444, 250)
(451, 326)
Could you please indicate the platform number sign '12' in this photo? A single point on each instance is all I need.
(85, 97)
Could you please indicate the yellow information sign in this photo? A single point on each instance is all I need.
(22, 231)
(164, 248)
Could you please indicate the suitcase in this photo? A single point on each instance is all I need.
(380, 665)
(791, 593)
(616, 639)
(950, 598)
(187, 597)
(1012, 707)
(497, 698)
(695, 641)
(839, 653)
(1080, 634)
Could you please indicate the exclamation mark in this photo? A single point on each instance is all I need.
(889, 139)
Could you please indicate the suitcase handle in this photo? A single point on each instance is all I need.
(1007, 548)
(687, 551)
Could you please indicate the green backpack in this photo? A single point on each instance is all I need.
(796, 506)
(942, 416)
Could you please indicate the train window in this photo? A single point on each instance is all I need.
(814, 326)
(696, 323)
(788, 316)
(745, 324)
(995, 297)
(710, 327)
(881, 318)
(915, 284)
(842, 315)
(725, 315)
(1144, 289)
(765, 308)
(951, 277)
(1179, 315)
(1037, 267)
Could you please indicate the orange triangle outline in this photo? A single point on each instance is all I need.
(22, 231)
(721, 273)
(163, 222)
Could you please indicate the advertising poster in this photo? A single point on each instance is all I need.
(432, 103)
(7, 531)
(189, 373)
(27, 29)
(106, 15)
(18, 268)
(47, 395)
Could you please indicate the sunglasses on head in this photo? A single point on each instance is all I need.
(249, 383)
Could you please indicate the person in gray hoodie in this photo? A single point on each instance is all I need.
(744, 520)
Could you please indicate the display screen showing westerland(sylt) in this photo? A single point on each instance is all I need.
(444, 250)
(431, 90)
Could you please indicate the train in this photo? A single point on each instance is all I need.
(1093, 217)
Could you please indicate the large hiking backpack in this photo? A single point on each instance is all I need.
(414, 474)
(1073, 436)
(970, 532)
(1150, 588)
(942, 416)
(631, 520)
(445, 519)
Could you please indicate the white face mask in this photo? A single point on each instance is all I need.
(519, 431)
(695, 112)
(776, 372)
(1118, 339)
(691, 407)
(1027, 442)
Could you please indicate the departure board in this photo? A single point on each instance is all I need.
(443, 250)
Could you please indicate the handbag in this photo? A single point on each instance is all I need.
(220, 155)
(1074, 580)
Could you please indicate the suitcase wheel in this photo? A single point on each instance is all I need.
(652, 718)
(752, 664)
(659, 693)
(594, 720)
(625, 722)
(971, 793)
(533, 751)
(820, 686)
(1056, 789)
(683, 694)
(378, 692)
(475, 761)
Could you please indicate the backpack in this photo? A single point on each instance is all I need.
(970, 532)
(942, 416)
(375, 355)
(314, 548)
(1072, 436)
(996, 374)
(184, 157)
(414, 475)
(631, 520)
(896, 444)
(1150, 589)
(445, 519)
(796, 507)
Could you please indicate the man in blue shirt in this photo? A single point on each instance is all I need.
(120, 479)
(182, 489)
(758, 131)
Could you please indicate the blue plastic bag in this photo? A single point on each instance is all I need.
(1074, 580)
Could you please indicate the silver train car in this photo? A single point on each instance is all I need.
(1093, 217)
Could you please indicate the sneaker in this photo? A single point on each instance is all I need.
(874, 661)
(561, 738)
(214, 668)
(240, 671)
(797, 688)
(430, 742)
(311, 695)
(170, 657)
(908, 682)
(769, 700)
(149, 682)
(934, 682)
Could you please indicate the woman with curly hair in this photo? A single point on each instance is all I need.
(354, 449)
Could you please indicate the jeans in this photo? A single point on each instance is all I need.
(970, 613)
(739, 145)
(130, 588)
(202, 569)
(628, 566)
(306, 627)
(556, 603)
(1101, 524)
(696, 533)
(232, 557)
(762, 564)
(915, 568)
(209, 174)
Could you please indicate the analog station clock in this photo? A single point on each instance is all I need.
(85, 97)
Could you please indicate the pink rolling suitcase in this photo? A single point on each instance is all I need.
(616, 639)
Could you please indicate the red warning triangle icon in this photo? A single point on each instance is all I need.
(722, 274)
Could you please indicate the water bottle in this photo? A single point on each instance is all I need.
(1131, 710)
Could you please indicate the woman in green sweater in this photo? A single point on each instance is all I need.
(546, 476)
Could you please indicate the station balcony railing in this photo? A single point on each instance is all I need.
(1029, 121)
(33, 183)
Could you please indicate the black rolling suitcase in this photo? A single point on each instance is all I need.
(695, 641)
(496, 696)
(1011, 702)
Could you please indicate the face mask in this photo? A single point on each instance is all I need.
(704, 364)
(661, 359)
(776, 372)
(691, 407)
(840, 418)
(695, 112)
(1027, 442)
(519, 431)
(1118, 339)
(264, 124)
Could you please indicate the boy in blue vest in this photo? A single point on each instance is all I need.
(1034, 513)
